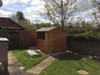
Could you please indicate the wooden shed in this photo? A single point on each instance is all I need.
(51, 39)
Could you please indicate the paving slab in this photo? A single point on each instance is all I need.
(38, 68)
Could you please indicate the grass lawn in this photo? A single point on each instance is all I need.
(26, 61)
(67, 64)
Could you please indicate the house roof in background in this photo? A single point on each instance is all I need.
(45, 29)
(7, 23)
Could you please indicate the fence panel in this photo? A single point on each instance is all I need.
(13, 37)
(27, 39)
(84, 46)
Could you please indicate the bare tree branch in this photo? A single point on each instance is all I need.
(60, 11)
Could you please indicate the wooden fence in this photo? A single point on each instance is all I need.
(84, 46)
(22, 39)
(13, 39)
(12, 35)
(27, 39)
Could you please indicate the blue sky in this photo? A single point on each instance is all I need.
(33, 8)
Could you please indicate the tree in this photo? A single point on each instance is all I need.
(20, 16)
(95, 13)
(17, 17)
(26, 23)
(20, 19)
(38, 26)
(13, 17)
(60, 11)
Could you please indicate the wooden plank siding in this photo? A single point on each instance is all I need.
(13, 37)
(42, 44)
(27, 39)
(55, 41)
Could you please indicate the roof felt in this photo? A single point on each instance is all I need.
(45, 29)
(7, 23)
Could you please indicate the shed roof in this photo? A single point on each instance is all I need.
(7, 23)
(45, 29)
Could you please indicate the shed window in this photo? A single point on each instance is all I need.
(41, 35)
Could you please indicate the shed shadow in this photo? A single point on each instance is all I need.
(66, 56)
(69, 56)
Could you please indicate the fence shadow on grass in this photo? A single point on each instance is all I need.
(68, 56)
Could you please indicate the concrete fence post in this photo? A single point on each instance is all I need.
(4, 53)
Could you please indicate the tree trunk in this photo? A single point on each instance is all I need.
(62, 23)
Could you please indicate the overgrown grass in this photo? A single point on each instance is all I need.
(67, 64)
(27, 61)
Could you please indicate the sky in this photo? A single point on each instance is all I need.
(33, 8)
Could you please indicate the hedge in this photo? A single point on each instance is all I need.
(86, 35)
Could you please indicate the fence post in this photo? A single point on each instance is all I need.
(4, 54)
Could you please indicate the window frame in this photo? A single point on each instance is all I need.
(41, 35)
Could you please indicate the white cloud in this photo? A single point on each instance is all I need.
(37, 19)
(37, 2)
(87, 14)
(5, 13)
(84, 5)
(35, 11)
(14, 1)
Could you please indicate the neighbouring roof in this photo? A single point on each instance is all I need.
(7, 23)
(45, 29)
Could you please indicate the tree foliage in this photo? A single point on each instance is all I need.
(13, 17)
(17, 17)
(96, 12)
(80, 27)
(20, 16)
(20, 19)
(38, 26)
(60, 11)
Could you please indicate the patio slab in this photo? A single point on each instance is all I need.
(38, 68)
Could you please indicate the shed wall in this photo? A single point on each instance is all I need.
(42, 44)
(57, 41)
